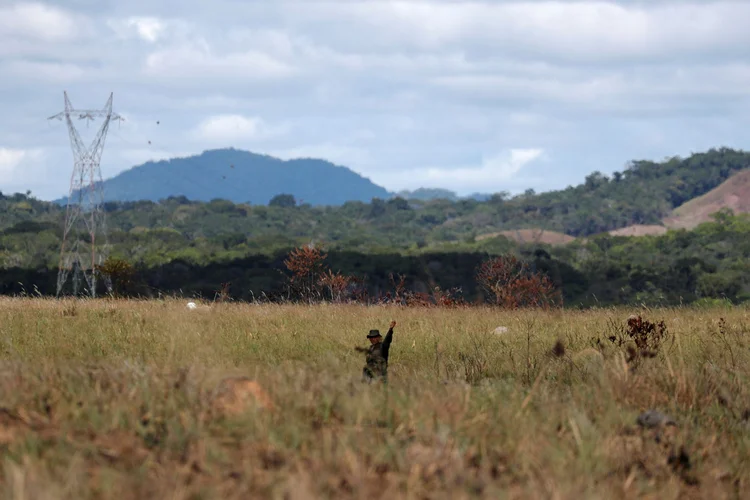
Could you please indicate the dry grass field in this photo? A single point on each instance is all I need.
(125, 400)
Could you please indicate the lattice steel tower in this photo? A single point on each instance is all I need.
(84, 245)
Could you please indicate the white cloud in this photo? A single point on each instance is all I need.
(493, 169)
(280, 43)
(407, 92)
(581, 30)
(10, 159)
(636, 90)
(230, 128)
(153, 29)
(43, 71)
(40, 21)
(197, 61)
(493, 174)
(149, 29)
(18, 165)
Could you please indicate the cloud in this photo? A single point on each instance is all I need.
(230, 129)
(39, 21)
(408, 93)
(198, 62)
(10, 159)
(17, 164)
(149, 29)
(492, 171)
(43, 71)
(493, 174)
(584, 31)
(665, 90)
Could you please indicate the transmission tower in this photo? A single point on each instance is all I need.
(84, 245)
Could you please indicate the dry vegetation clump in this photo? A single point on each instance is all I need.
(508, 282)
(145, 399)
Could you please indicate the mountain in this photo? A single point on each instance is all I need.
(241, 176)
(639, 198)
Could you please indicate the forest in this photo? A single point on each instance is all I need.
(179, 246)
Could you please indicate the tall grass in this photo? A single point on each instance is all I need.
(115, 399)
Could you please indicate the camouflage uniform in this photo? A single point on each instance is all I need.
(376, 366)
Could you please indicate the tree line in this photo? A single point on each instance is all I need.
(177, 228)
(711, 262)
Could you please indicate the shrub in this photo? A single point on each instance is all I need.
(512, 284)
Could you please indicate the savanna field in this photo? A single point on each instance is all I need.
(144, 399)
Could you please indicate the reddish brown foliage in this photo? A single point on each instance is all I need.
(306, 266)
(508, 280)
(304, 262)
(398, 287)
(402, 296)
(312, 280)
(512, 284)
(448, 298)
(337, 284)
(647, 336)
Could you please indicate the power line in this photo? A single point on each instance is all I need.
(85, 245)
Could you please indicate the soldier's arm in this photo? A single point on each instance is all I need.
(389, 336)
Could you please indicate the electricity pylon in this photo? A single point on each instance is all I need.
(84, 244)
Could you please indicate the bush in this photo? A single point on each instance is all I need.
(512, 284)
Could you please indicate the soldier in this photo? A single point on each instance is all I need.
(377, 355)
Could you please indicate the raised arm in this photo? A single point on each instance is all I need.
(389, 336)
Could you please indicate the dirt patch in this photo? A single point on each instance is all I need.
(734, 193)
(639, 230)
(531, 236)
(237, 394)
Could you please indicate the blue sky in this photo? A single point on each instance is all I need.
(469, 96)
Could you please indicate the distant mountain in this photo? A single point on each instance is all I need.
(241, 176)
(637, 200)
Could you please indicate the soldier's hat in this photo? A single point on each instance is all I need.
(373, 334)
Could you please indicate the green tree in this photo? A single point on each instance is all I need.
(283, 200)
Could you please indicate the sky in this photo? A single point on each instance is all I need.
(468, 96)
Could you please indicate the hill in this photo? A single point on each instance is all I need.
(241, 176)
(733, 194)
(185, 245)
(643, 195)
